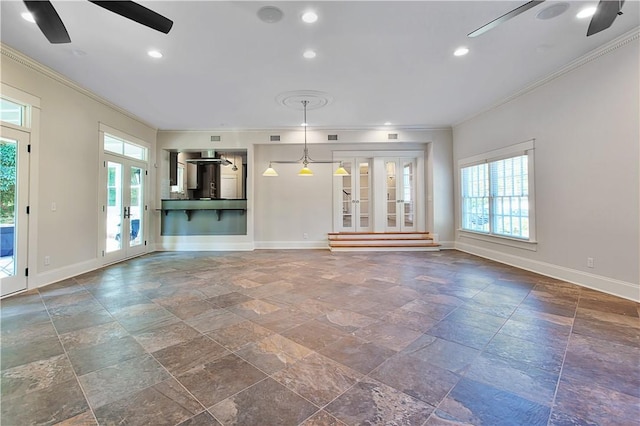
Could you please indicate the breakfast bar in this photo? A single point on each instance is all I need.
(204, 217)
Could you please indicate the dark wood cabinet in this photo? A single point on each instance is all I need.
(173, 168)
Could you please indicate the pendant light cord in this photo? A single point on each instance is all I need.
(306, 152)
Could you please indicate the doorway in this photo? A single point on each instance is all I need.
(14, 226)
(124, 208)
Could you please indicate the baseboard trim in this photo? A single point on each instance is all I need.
(64, 273)
(447, 245)
(208, 246)
(612, 286)
(290, 245)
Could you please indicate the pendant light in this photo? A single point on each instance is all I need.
(305, 159)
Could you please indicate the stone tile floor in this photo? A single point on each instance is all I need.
(318, 338)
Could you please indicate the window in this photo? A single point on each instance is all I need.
(496, 193)
(122, 147)
(11, 112)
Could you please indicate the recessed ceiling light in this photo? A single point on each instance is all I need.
(587, 12)
(154, 54)
(309, 17)
(309, 54)
(461, 51)
(28, 17)
(304, 124)
(387, 123)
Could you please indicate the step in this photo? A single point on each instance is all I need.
(424, 247)
(381, 242)
(350, 236)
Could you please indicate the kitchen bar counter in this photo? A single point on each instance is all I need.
(204, 217)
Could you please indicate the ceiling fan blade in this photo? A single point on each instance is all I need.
(48, 21)
(138, 13)
(605, 15)
(515, 12)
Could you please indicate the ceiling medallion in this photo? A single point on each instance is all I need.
(313, 98)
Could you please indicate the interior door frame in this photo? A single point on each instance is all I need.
(125, 252)
(338, 224)
(400, 163)
(377, 176)
(31, 125)
(19, 281)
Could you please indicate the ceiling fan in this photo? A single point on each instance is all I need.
(606, 13)
(53, 29)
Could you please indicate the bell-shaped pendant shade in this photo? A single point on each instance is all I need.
(341, 171)
(270, 171)
(305, 171)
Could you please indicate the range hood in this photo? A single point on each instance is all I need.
(209, 157)
(222, 161)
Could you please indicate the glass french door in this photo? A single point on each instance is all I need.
(400, 185)
(14, 199)
(353, 197)
(124, 209)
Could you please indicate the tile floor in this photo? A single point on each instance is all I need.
(318, 338)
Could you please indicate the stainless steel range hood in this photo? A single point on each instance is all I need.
(222, 161)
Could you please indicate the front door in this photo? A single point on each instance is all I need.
(14, 199)
(124, 209)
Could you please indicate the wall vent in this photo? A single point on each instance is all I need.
(332, 137)
(392, 136)
(215, 139)
(274, 138)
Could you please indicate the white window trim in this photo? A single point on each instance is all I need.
(522, 148)
(27, 100)
(103, 128)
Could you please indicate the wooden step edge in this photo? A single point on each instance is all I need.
(376, 233)
(383, 249)
(422, 238)
(385, 245)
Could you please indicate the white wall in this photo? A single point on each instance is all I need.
(586, 129)
(66, 171)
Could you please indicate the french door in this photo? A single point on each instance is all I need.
(400, 184)
(14, 199)
(353, 197)
(124, 208)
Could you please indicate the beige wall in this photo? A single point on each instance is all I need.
(586, 129)
(65, 169)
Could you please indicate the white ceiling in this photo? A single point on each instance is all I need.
(379, 61)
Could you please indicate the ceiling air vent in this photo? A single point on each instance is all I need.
(392, 136)
(332, 137)
(274, 138)
(215, 138)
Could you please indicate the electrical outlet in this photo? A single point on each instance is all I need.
(589, 262)
(47, 260)
(305, 236)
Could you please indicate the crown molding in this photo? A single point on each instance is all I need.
(28, 62)
(613, 45)
(312, 129)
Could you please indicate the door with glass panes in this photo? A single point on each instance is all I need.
(400, 187)
(124, 208)
(14, 199)
(353, 197)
